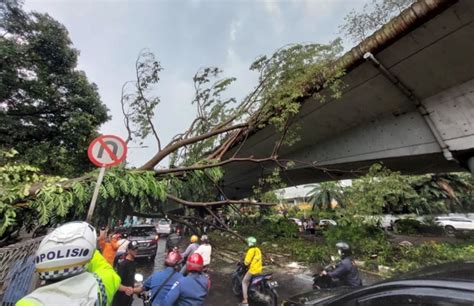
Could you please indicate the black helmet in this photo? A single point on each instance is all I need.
(344, 248)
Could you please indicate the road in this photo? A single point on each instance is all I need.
(292, 281)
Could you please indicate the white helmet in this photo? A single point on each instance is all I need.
(66, 250)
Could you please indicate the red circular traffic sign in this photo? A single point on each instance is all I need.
(107, 151)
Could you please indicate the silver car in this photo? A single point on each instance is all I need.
(163, 226)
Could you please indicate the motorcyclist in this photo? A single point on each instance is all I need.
(205, 250)
(74, 271)
(192, 289)
(161, 282)
(192, 247)
(172, 241)
(346, 270)
(253, 260)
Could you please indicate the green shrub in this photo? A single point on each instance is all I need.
(431, 253)
(364, 239)
(265, 229)
(302, 250)
(413, 227)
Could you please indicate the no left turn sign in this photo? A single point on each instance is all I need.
(107, 151)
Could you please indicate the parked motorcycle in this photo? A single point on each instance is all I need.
(261, 288)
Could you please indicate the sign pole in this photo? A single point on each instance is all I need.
(104, 151)
(95, 195)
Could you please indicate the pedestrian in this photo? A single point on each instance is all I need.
(122, 249)
(109, 246)
(172, 241)
(311, 225)
(126, 271)
(128, 221)
(192, 289)
(205, 250)
(161, 282)
(72, 277)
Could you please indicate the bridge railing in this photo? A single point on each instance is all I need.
(17, 269)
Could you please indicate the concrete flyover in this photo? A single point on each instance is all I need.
(408, 102)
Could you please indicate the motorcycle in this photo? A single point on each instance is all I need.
(324, 281)
(145, 296)
(261, 288)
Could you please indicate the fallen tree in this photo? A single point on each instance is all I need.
(193, 177)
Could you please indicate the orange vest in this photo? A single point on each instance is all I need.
(109, 249)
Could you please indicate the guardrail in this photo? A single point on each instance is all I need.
(17, 266)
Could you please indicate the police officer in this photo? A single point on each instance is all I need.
(74, 271)
(346, 270)
(192, 289)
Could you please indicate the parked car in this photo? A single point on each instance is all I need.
(453, 224)
(325, 223)
(297, 221)
(163, 226)
(447, 284)
(147, 239)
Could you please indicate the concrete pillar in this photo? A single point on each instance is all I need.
(470, 164)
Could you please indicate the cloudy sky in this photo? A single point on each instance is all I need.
(185, 36)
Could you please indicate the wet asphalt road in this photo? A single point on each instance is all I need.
(221, 279)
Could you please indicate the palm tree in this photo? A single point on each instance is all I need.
(323, 194)
(444, 193)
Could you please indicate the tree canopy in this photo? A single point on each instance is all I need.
(360, 24)
(45, 101)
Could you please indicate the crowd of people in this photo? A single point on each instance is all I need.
(308, 225)
(79, 267)
(183, 281)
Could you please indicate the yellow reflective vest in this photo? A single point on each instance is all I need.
(82, 289)
(253, 259)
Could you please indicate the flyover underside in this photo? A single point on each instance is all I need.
(374, 121)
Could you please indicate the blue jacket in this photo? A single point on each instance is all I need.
(156, 279)
(347, 273)
(188, 291)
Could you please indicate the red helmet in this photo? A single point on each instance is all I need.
(195, 263)
(172, 259)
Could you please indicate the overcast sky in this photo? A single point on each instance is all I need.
(184, 35)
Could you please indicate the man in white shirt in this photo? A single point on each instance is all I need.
(205, 250)
(122, 249)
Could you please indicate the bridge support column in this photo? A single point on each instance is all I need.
(470, 164)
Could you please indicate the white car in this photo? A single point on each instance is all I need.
(327, 223)
(163, 226)
(452, 224)
(296, 221)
